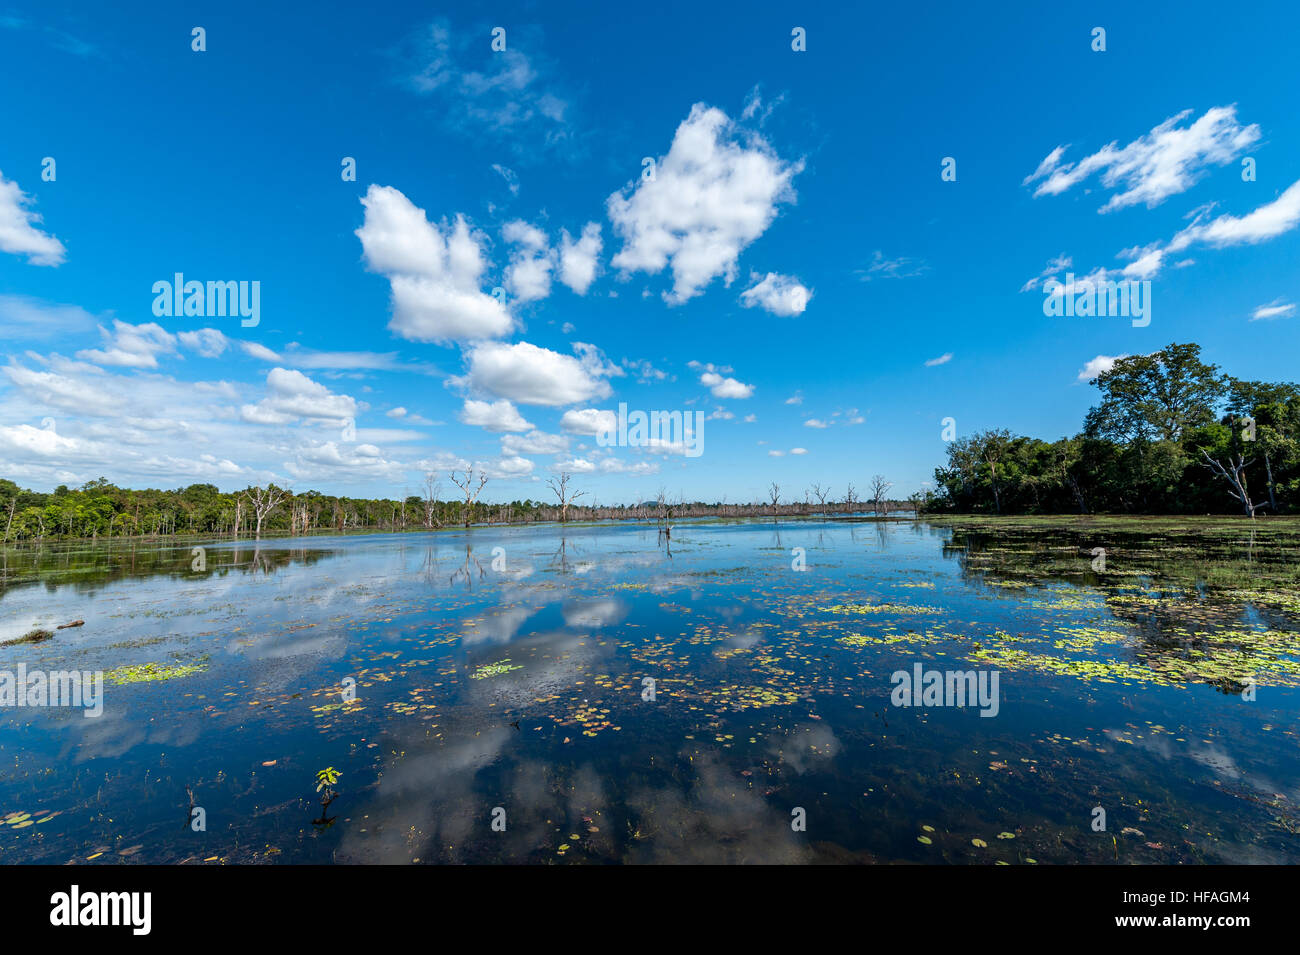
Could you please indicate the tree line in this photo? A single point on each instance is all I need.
(100, 509)
(1170, 434)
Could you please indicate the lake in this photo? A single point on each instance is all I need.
(595, 694)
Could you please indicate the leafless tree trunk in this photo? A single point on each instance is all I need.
(879, 488)
(821, 493)
(432, 491)
(1235, 475)
(466, 484)
(562, 491)
(264, 501)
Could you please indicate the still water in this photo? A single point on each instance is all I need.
(595, 694)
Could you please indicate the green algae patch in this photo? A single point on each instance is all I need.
(494, 669)
(901, 609)
(152, 672)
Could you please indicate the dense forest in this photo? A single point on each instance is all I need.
(1170, 435)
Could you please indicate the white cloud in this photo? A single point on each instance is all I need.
(535, 442)
(883, 268)
(941, 360)
(291, 395)
(495, 416)
(18, 232)
(1266, 222)
(530, 375)
(798, 450)
(579, 260)
(506, 467)
(528, 276)
(131, 346)
(589, 421)
(715, 192)
(1275, 309)
(713, 377)
(779, 294)
(1097, 366)
(24, 317)
(1162, 163)
(725, 387)
(576, 466)
(435, 272)
(207, 342)
(254, 350)
(509, 98)
(816, 423)
(508, 174)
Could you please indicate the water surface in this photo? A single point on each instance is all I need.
(505, 669)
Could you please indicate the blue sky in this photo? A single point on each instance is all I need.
(798, 270)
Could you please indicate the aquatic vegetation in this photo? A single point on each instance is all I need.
(900, 609)
(488, 670)
(326, 778)
(31, 636)
(151, 672)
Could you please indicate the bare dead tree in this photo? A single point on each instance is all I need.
(264, 500)
(432, 491)
(1235, 475)
(774, 492)
(821, 493)
(466, 484)
(562, 491)
(879, 488)
(850, 499)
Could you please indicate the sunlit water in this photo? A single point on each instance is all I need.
(510, 684)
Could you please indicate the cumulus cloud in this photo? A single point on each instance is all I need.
(714, 378)
(19, 234)
(292, 396)
(779, 294)
(1098, 366)
(131, 346)
(580, 258)
(435, 271)
(493, 416)
(528, 276)
(716, 191)
(535, 442)
(531, 375)
(1164, 162)
(589, 421)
